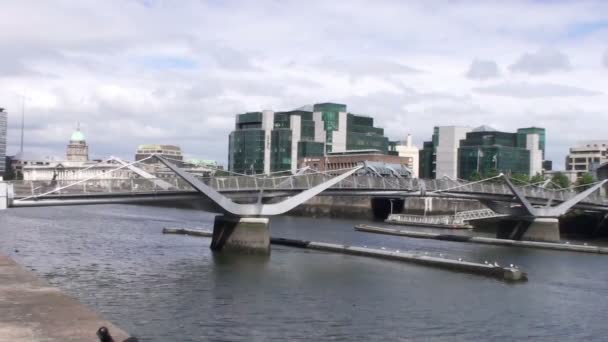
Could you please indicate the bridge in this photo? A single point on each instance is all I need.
(246, 202)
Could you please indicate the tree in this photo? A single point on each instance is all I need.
(537, 178)
(560, 180)
(520, 178)
(475, 176)
(584, 181)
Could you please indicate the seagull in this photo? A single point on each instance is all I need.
(511, 265)
(382, 248)
(585, 244)
(485, 262)
(440, 255)
(496, 264)
(459, 259)
(397, 251)
(567, 242)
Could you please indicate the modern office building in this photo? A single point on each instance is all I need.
(406, 149)
(3, 130)
(485, 151)
(170, 152)
(439, 157)
(585, 156)
(267, 141)
(460, 152)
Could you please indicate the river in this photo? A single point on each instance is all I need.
(158, 287)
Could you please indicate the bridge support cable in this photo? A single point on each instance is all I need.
(465, 185)
(157, 182)
(80, 181)
(257, 209)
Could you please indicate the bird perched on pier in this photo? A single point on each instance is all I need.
(104, 336)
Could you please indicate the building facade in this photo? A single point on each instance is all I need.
(462, 152)
(171, 152)
(587, 155)
(485, 152)
(77, 165)
(267, 141)
(77, 150)
(439, 157)
(3, 131)
(406, 149)
(344, 160)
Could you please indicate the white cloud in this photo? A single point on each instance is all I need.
(605, 59)
(541, 62)
(482, 70)
(535, 90)
(178, 72)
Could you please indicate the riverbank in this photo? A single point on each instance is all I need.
(32, 310)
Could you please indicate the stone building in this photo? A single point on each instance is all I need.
(77, 150)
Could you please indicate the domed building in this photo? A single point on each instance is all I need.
(77, 148)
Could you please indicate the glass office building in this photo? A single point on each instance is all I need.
(463, 152)
(486, 152)
(267, 141)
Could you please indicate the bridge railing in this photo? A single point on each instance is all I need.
(298, 182)
(24, 189)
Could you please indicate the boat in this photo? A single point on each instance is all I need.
(431, 221)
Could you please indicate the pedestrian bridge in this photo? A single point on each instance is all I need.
(266, 196)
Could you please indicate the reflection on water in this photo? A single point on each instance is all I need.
(173, 288)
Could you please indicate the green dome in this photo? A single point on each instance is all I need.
(77, 136)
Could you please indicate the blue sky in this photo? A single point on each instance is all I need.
(177, 72)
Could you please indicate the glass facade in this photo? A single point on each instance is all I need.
(246, 151)
(3, 130)
(362, 135)
(428, 156)
(330, 114)
(310, 149)
(247, 145)
(280, 151)
(427, 161)
(486, 153)
(533, 130)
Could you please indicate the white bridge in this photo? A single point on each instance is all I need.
(264, 196)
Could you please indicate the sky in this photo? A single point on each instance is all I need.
(176, 72)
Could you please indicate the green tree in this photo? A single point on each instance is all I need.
(537, 178)
(584, 181)
(560, 180)
(475, 176)
(493, 173)
(520, 178)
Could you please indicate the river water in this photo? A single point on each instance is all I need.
(161, 287)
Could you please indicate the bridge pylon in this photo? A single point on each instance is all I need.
(539, 223)
(245, 227)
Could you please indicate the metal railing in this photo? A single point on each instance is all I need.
(25, 189)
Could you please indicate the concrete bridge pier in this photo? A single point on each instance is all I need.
(245, 235)
(544, 229)
(6, 195)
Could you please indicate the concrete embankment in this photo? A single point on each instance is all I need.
(502, 273)
(32, 310)
(483, 240)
